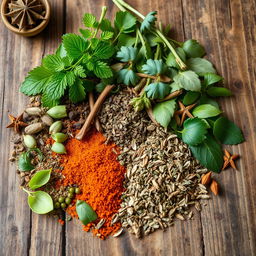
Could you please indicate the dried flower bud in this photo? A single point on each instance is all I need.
(59, 137)
(34, 111)
(57, 112)
(58, 148)
(55, 127)
(206, 178)
(29, 141)
(47, 120)
(34, 128)
(214, 187)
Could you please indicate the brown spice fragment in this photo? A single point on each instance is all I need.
(206, 178)
(214, 187)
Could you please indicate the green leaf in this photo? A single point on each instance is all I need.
(53, 62)
(171, 60)
(39, 179)
(127, 76)
(149, 21)
(100, 87)
(200, 66)
(175, 87)
(79, 71)
(106, 25)
(194, 131)
(154, 67)
(102, 70)
(127, 53)
(206, 100)
(77, 91)
(210, 78)
(188, 80)
(103, 50)
(125, 22)
(36, 81)
(85, 212)
(24, 163)
(75, 45)
(227, 132)
(126, 40)
(86, 33)
(205, 111)
(106, 35)
(89, 20)
(190, 97)
(57, 85)
(40, 202)
(209, 154)
(193, 49)
(61, 51)
(218, 91)
(157, 90)
(164, 111)
(47, 102)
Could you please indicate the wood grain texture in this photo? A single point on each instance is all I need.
(227, 224)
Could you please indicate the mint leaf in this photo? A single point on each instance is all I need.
(227, 132)
(79, 71)
(164, 111)
(154, 67)
(190, 97)
(106, 35)
(56, 86)
(47, 102)
(188, 80)
(157, 90)
(53, 62)
(205, 111)
(86, 33)
(89, 20)
(127, 53)
(75, 45)
(77, 91)
(125, 22)
(193, 49)
(218, 91)
(149, 21)
(200, 66)
(102, 70)
(126, 40)
(36, 81)
(103, 50)
(194, 131)
(209, 154)
(210, 78)
(171, 60)
(127, 76)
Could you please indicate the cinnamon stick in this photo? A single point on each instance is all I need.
(91, 103)
(171, 95)
(94, 112)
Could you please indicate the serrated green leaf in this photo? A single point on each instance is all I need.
(218, 91)
(70, 76)
(61, 51)
(106, 35)
(126, 40)
(209, 154)
(188, 80)
(193, 49)
(164, 111)
(194, 131)
(106, 25)
(75, 45)
(47, 102)
(205, 111)
(103, 50)
(157, 90)
(102, 70)
(175, 87)
(86, 33)
(89, 20)
(79, 71)
(154, 67)
(190, 97)
(36, 81)
(127, 76)
(125, 22)
(171, 60)
(53, 62)
(227, 132)
(127, 53)
(77, 91)
(200, 66)
(210, 78)
(149, 21)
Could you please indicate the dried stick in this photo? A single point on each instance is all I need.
(151, 116)
(96, 121)
(163, 78)
(94, 112)
(171, 96)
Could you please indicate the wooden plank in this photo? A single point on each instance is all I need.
(226, 29)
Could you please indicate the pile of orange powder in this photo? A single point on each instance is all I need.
(92, 165)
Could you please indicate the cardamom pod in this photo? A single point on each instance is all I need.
(57, 112)
(55, 127)
(34, 128)
(47, 120)
(58, 148)
(29, 141)
(34, 111)
(59, 137)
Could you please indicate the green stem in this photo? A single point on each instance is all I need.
(28, 192)
(117, 36)
(118, 5)
(103, 13)
(136, 39)
(141, 39)
(127, 6)
(157, 53)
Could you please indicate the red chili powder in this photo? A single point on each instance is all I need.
(92, 166)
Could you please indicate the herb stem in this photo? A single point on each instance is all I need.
(157, 53)
(28, 192)
(119, 6)
(103, 13)
(119, 33)
(127, 6)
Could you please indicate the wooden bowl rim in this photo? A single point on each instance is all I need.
(32, 31)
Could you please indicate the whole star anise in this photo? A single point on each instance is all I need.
(25, 13)
(16, 123)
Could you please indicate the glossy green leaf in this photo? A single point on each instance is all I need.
(24, 163)
(148, 21)
(154, 67)
(85, 212)
(86, 33)
(205, 111)
(53, 62)
(200, 66)
(125, 40)
(125, 22)
(171, 60)
(218, 91)
(211, 78)
(157, 90)
(89, 20)
(40, 202)
(127, 76)
(39, 179)
(191, 97)
(193, 49)
(127, 53)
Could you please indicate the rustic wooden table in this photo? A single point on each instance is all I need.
(227, 224)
